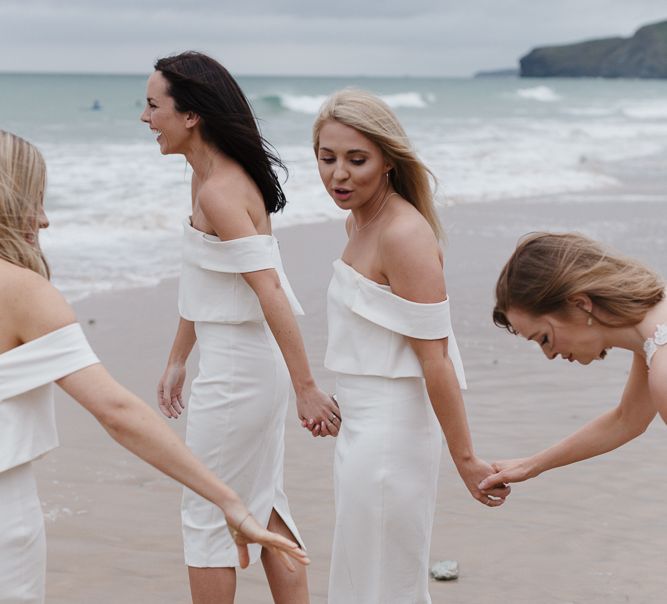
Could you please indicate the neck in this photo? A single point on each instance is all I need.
(630, 338)
(367, 213)
(202, 158)
(634, 336)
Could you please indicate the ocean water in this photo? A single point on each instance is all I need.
(116, 204)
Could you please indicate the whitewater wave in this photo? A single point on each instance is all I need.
(543, 94)
(310, 104)
(649, 110)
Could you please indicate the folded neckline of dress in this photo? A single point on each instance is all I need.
(215, 239)
(37, 340)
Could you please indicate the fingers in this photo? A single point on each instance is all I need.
(499, 491)
(492, 502)
(244, 556)
(493, 481)
(288, 551)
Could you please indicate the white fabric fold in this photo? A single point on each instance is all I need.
(212, 287)
(27, 415)
(364, 315)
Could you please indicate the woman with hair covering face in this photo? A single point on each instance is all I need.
(236, 303)
(398, 370)
(577, 299)
(41, 342)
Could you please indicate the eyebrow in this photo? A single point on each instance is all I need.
(533, 336)
(350, 152)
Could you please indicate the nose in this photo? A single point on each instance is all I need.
(144, 116)
(340, 172)
(43, 220)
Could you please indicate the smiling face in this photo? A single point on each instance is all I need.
(569, 336)
(352, 167)
(170, 126)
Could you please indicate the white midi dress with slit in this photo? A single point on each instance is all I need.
(388, 450)
(28, 431)
(238, 401)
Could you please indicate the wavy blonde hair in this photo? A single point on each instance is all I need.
(22, 182)
(547, 269)
(373, 118)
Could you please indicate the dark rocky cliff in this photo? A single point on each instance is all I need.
(644, 55)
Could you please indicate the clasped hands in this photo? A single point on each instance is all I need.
(318, 412)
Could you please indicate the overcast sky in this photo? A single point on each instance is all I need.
(305, 37)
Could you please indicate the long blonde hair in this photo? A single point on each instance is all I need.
(22, 182)
(548, 269)
(373, 118)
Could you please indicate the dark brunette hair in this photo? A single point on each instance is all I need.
(200, 84)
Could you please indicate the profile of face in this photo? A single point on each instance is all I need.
(172, 127)
(353, 168)
(39, 221)
(567, 335)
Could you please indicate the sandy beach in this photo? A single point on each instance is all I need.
(593, 533)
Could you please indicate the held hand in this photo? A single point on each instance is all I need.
(318, 412)
(170, 391)
(244, 529)
(509, 470)
(473, 471)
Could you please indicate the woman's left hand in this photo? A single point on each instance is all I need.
(473, 472)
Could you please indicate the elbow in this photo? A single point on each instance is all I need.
(113, 415)
(635, 425)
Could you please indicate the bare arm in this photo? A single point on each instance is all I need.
(315, 408)
(605, 433)
(134, 425)
(170, 386)
(411, 262)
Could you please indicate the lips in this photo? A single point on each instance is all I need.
(341, 193)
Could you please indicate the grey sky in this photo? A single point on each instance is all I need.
(310, 37)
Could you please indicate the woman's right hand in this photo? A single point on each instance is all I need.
(318, 412)
(244, 529)
(170, 391)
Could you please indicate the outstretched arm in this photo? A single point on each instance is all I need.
(134, 425)
(605, 433)
(132, 422)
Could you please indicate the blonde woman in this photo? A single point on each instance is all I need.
(398, 370)
(577, 299)
(41, 342)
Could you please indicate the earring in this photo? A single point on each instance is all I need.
(589, 322)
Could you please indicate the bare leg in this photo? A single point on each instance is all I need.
(212, 585)
(286, 587)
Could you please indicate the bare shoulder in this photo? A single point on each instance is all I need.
(34, 304)
(227, 203)
(408, 237)
(657, 380)
(412, 258)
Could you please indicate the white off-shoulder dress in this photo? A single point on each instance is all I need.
(388, 450)
(28, 431)
(238, 401)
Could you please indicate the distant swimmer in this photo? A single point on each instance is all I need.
(96, 106)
